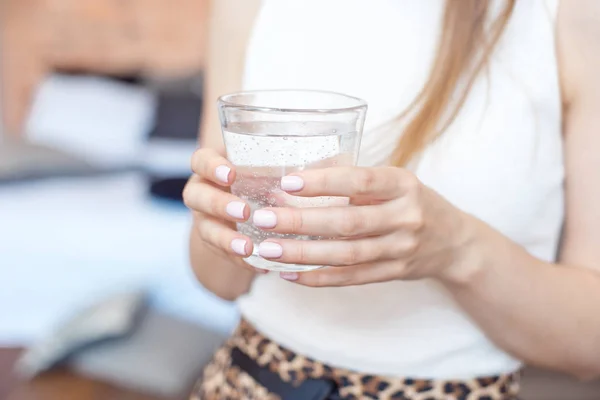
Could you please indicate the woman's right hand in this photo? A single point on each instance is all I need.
(215, 209)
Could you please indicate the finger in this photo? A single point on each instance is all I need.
(338, 252)
(349, 276)
(213, 232)
(237, 260)
(382, 183)
(331, 221)
(205, 198)
(210, 165)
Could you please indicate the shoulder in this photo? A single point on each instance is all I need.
(578, 48)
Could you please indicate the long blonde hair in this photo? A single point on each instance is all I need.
(465, 46)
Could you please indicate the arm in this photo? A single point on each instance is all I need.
(549, 315)
(546, 314)
(229, 27)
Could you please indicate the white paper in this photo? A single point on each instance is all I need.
(104, 121)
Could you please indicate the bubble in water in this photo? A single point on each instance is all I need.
(261, 160)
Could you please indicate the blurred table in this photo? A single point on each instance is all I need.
(58, 385)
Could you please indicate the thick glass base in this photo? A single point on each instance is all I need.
(259, 262)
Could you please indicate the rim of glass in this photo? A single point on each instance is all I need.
(224, 100)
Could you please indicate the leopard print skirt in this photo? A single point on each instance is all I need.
(222, 380)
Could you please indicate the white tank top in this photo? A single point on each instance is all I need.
(501, 160)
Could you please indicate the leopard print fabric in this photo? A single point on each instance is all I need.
(222, 381)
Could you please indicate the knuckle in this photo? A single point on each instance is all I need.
(223, 240)
(213, 234)
(414, 220)
(296, 219)
(196, 160)
(301, 254)
(215, 207)
(410, 246)
(351, 224)
(402, 270)
(351, 256)
(411, 182)
(188, 195)
(329, 278)
(324, 279)
(364, 181)
(323, 183)
(374, 252)
(345, 278)
(203, 229)
(316, 281)
(214, 237)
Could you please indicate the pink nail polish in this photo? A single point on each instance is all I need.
(292, 183)
(222, 173)
(264, 219)
(239, 246)
(236, 209)
(289, 276)
(270, 250)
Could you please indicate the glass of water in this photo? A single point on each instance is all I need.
(270, 134)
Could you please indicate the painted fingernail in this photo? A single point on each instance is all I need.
(270, 250)
(236, 209)
(292, 183)
(289, 276)
(264, 219)
(222, 173)
(239, 246)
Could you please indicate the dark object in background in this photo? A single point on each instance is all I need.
(178, 111)
(168, 188)
(177, 118)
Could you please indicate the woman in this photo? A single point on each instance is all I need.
(445, 276)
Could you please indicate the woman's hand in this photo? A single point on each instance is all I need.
(396, 228)
(215, 209)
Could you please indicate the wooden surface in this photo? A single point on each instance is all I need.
(58, 385)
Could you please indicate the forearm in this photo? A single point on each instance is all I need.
(216, 273)
(545, 314)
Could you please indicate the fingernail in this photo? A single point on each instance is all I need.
(264, 219)
(288, 276)
(222, 173)
(270, 250)
(261, 271)
(292, 183)
(236, 209)
(239, 246)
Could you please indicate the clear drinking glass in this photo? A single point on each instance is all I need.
(269, 134)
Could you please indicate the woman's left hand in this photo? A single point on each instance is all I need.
(396, 228)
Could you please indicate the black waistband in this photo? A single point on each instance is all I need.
(309, 389)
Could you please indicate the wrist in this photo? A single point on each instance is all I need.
(468, 261)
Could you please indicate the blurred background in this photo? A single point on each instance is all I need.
(100, 108)
(100, 104)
